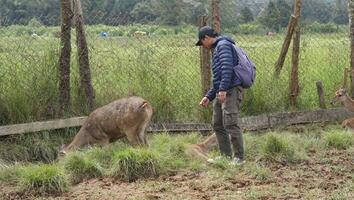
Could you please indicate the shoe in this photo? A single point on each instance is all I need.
(237, 161)
(214, 160)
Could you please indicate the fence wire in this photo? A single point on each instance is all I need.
(155, 57)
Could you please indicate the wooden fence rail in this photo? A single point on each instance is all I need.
(248, 123)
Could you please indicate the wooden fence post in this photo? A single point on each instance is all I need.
(351, 24)
(205, 71)
(294, 79)
(84, 65)
(320, 94)
(285, 47)
(205, 61)
(65, 55)
(216, 15)
(345, 78)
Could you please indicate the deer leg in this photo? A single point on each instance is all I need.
(103, 142)
(196, 152)
(142, 133)
(133, 137)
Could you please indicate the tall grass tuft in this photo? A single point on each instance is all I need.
(134, 163)
(9, 172)
(46, 178)
(338, 140)
(278, 148)
(80, 167)
(34, 147)
(259, 172)
(102, 156)
(171, 151)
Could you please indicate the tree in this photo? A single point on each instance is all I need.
(284, 12)
(270, 17)
(340, 12)
(229, 15)
(276, 15)
(143, 12)
(316, 10)
(246, 15)
(121, 12)
(195, 9)
(170, 12)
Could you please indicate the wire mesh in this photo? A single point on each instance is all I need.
(146, 48)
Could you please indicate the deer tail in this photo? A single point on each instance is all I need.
(144, 104)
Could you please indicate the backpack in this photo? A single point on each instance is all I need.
(245, 70)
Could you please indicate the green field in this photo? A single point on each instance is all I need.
(162, 67)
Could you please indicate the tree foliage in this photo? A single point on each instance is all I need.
(273, 14)
(276, 15)
(246, 15)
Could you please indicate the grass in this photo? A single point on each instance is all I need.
(260, 172)
(171, 151)
(164, 69)
(338, 140)
(132, 164)
(280, 146)
(8, 172)
(47, 178)
(34, 147)
(166, 155)
(276, 147)
(80, 167)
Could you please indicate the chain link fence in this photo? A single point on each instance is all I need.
(159, 60)
(324, 50)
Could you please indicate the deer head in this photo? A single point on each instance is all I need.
(340, 95)
(62, 151)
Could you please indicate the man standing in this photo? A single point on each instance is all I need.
(227, 89)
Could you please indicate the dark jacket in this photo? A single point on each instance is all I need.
(224, 60)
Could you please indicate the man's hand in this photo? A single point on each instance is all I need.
(204, 102)
(222, 96)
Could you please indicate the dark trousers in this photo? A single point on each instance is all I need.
(226, 123)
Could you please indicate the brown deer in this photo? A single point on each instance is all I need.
(126, 117)
(342, 96)
(201, 150)
(348, 124)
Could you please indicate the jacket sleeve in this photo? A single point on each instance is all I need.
(211, 94)
(226, 61)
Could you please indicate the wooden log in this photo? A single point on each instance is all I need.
(306, 117)
(41, 126)
(247, 123)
